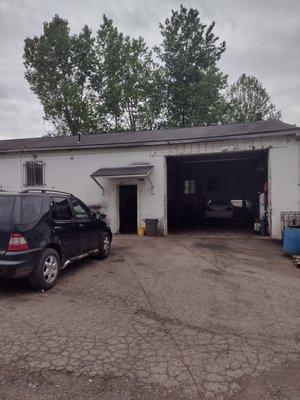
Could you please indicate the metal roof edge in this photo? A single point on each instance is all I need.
(153, 143)
(122, 171)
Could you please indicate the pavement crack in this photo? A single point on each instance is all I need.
(199, 390)
(206, 259)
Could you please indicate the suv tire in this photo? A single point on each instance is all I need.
(104, 245)
(46, 271)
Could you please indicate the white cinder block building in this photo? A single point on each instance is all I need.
(169, 175)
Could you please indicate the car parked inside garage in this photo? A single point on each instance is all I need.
(220, 210)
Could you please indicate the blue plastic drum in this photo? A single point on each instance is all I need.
(291, 241)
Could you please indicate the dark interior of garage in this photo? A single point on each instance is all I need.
(216, 189)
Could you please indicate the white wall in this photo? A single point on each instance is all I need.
(70, 171)
(284, 171)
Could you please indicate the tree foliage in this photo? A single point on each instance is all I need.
(112, 82)
(93, 84)
(189, 53)
(125, 80)
(247, 97)
(57, 69)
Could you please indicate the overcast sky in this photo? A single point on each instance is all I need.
(263, 39)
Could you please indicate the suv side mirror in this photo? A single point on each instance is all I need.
(94, 214)
(97, 214)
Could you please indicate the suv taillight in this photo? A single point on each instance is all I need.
(17, 242)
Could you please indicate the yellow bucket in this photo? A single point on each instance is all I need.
(141, 230)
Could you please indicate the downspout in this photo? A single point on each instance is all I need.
(22, 171)
(270, 206)
(297, 138)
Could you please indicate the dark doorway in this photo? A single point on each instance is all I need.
(128, 209)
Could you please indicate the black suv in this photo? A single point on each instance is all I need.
(41, 232)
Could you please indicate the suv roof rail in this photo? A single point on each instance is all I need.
(46, 191)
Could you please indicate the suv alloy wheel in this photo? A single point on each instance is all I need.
(46, 271)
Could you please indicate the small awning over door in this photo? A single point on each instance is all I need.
(136, 171)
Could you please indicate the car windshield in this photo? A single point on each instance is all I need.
(219, 203)
(6, 210)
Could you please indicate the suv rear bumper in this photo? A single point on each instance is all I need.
(18, 264)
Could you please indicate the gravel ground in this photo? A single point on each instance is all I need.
(206, 315)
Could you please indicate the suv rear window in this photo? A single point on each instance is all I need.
(6, 210)
(30, 209)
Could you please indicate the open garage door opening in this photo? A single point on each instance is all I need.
(217, 190)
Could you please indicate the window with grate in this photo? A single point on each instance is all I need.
(34, 173)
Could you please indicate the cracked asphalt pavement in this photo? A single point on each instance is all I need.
(206, 315)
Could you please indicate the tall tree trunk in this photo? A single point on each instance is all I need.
(182, 123)
(73, 129)
(116, 123)
(132, 120)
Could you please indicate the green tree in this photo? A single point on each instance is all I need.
(57, 69)
(247, 97)
(141, 86)
(125, 80)
(106, 79)
(192, 81)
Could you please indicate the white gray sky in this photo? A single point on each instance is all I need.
(262, 38)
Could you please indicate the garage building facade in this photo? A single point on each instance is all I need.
(168, 174)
